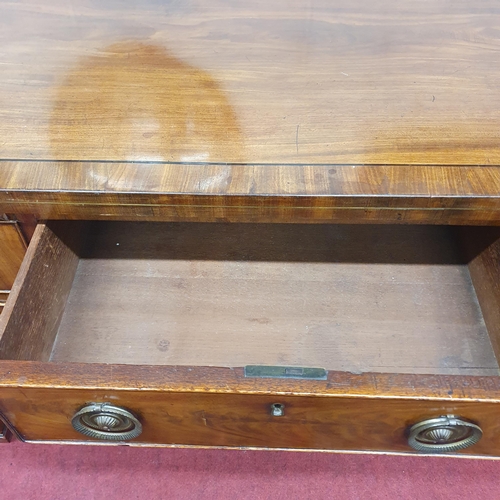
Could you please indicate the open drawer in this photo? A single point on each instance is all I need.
(331, 337)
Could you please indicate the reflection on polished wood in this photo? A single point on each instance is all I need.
(273, 84)
(315, 82)
(136, 102)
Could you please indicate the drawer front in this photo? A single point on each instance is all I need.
(238, 420)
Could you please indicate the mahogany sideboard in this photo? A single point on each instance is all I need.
(264, 224)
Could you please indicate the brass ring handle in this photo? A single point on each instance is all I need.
(444, 434)
(106, 421)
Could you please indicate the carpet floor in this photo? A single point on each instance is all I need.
(97, 472)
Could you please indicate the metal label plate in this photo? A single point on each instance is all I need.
(296, 372)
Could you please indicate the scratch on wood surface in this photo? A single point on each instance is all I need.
(297, 139)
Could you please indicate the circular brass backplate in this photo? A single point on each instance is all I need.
(106, 421)
(444, 434)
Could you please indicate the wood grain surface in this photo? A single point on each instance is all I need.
(483, 248)
(328, 111)
(354, 298)
(12, 250)
(27, 224)
(231, 419)
(287, 82)
(244, 420)
(268, 112)
(218, 406)
(358, 194)
(31, 316)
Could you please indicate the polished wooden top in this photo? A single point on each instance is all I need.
(290, 98)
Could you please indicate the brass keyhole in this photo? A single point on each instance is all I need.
(277, 410)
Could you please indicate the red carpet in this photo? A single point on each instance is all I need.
(91, 472)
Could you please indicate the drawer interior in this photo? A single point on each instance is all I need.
(356, 298)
